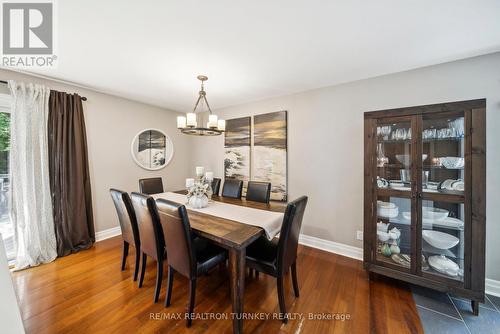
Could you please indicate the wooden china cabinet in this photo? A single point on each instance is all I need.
(425, 196)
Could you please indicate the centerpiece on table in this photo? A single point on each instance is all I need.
(199, 189)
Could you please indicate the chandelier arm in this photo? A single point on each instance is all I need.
(208, 106)
(197, 102)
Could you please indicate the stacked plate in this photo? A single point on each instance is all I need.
(387, 210)
(453, 185)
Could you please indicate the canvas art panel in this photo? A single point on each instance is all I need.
(237, 150)
(269, 152)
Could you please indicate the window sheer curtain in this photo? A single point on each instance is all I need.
(31, 203)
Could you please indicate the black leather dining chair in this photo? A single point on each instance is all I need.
(258, 191)
(151, 186)
(128, 226)
(216, 186)
(277, 256)
(188, 255)
(151, 235)
(232, 188)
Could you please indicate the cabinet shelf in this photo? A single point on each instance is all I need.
(436, 196)
(400, 166)
(427, 140)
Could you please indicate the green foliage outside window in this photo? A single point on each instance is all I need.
(4, 142)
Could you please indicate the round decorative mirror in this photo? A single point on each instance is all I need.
(152, 149)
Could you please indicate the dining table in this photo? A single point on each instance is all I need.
(233, 235)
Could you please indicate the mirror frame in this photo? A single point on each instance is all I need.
(168, 141)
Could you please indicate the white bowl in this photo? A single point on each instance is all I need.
(432, 213)
(429, 215)
(405, 158)
(426, 223)
(452, 162)
(440, 240)
(386, 205)
(387, 213)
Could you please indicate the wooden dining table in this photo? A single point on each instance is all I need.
(235, 237)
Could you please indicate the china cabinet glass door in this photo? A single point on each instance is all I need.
(442, 200)
(395, 187)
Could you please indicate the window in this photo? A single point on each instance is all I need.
(6, 228)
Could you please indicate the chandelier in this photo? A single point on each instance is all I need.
(194, 122)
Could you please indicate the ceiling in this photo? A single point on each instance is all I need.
(152, 51)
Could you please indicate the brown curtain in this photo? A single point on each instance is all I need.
(69, 174)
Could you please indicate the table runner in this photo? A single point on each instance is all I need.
(269, 221)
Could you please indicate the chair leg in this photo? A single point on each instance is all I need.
(137, 262)
(294, 279)
(256, 274)
(143, 269)
(125, 254)
(281, 299)
(159, 276)
(169, 285)
(192, 294)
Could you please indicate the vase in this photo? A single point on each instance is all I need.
(198, 202)
(381, 158)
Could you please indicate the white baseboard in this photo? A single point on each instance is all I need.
(106, 234)
(332, 247)
(492, 286)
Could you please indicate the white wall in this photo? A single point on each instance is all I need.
(325, 138)
(112, 123)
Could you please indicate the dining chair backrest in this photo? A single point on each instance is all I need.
(150, 233)
(151, 186)
(126, 216)
(290, 231)
(216, 186)
(178, 237)
(258, 191)
(232, 188)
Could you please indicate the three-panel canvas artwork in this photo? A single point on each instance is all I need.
(262, 159)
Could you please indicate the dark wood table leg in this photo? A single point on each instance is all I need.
(237, 270)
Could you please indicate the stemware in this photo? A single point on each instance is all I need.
(384, 131)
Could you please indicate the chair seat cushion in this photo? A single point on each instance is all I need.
(208, 255)
(262, 255)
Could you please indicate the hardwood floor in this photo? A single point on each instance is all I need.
(87, 293)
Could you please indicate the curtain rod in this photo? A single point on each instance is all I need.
(5, 82)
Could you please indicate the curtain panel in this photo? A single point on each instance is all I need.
(31, 205)
(69, 174)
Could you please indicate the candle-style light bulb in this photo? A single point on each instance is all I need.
(191, 119)
(212, 121)
(221, 125)
(181, 122)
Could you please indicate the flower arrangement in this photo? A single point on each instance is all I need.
(199, 189)
(198, 195)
